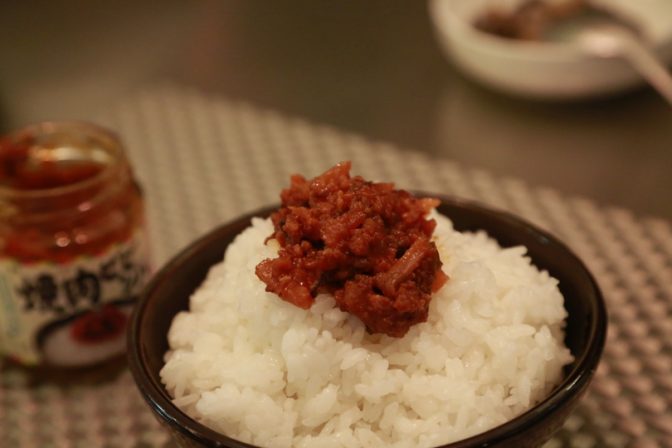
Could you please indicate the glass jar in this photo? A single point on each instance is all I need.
(73, 251)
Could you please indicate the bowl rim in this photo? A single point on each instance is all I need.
(574, 383)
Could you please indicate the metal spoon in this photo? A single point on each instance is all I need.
(605, 35)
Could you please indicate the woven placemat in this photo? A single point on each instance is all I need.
(204, 160)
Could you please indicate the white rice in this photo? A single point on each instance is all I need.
(261, 370)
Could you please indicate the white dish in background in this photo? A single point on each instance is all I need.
(546, 70)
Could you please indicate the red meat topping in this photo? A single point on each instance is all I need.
(365, 243)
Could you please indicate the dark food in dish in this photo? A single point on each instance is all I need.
(536, 19)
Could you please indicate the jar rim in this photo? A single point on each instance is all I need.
(111, 145)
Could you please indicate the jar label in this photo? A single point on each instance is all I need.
(72, 314)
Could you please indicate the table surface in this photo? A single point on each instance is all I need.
(231, 157)
(370, 67)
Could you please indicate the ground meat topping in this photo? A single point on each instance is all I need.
(365, 243)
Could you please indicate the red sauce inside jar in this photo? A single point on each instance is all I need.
(71, 243)
(63, 207)
(18, 170)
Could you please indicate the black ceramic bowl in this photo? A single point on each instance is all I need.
(169, 291)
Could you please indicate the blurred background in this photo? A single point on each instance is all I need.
(371, 67)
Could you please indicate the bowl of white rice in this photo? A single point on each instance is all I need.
(510, 345)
